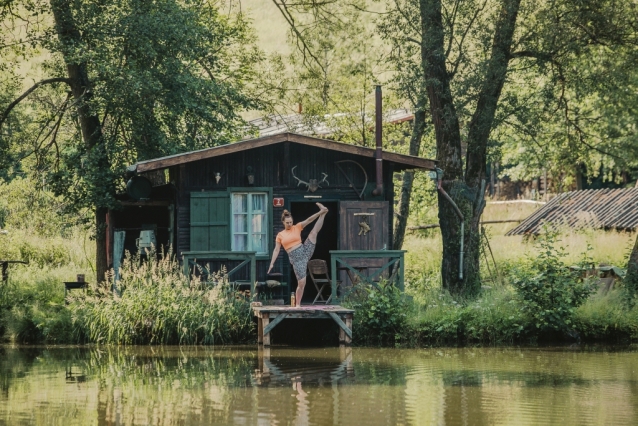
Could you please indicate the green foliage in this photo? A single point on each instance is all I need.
(28, 205)
(159, 305)
(549, 292)
(381, 315)
(32, 308)
(493, 318)
(606, 317)
(164, 77)
(37, 322)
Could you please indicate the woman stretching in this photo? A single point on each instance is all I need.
(298, 253)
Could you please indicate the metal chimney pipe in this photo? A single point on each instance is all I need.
(378, 155)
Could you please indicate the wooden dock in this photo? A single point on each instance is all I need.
(268, 317)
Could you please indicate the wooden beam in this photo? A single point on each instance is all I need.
(173, 160)
(341, 324)
(160, 163)
(265, 319)
(142, 203)
(279, 318)
(415, 162)
(485, 222)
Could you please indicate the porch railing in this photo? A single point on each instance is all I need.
(246, 258)
(350, 261)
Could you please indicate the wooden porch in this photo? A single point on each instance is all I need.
(365, 267)
(349, 269)
(268, 317)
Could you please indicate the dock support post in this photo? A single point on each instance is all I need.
(260, 330)
(265, 320)
(348, 338)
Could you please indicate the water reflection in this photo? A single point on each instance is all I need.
(329, 366)
(244, 385)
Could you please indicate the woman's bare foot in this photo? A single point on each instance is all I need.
(322, 209)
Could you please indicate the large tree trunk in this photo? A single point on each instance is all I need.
(448, 138)
(466, 191)
(408, 179)
(483, 118)
(631, 279)
(70, 38)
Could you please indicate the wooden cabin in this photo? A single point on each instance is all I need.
(222, 206)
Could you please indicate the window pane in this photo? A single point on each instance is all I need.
(259, 243)
(240, 223)
(259, 223)
(240, 242)
(240, 203)
(259, 203)
(250, 222)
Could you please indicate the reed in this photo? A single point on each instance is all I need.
(156, 304)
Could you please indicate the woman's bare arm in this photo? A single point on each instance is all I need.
(275, 253)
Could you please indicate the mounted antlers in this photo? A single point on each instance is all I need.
(313, 184)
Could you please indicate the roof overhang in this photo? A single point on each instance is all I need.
(406, 161)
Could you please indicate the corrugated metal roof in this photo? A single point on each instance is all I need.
(591, 208)
(303, 125)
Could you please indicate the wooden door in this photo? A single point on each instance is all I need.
(353, 218)
(354, 235)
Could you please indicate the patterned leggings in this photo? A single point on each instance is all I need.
(299, 258)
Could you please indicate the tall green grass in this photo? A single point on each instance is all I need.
(32, 308)
(156, 304)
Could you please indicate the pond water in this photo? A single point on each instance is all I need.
(286, 386)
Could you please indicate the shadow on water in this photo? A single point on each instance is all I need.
(284, 366)
(307, 333)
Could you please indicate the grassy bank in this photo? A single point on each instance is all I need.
(156, 305)
(495, 318)
(518, 304)
(32, 308)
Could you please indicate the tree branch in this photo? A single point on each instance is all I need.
(283, 8)
(13, 104)
(460, 44)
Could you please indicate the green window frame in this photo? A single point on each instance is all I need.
(213, 225)
(251, 220)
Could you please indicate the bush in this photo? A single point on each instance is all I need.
(493, 318)
(159, 305)
(37, 322)
(381, 315)
(549, 292)
(606, 317)
(34, 312)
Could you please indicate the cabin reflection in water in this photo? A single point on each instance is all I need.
(278, 367)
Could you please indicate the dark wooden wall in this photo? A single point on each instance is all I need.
(272, 166)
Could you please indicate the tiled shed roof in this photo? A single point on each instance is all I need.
(591, 208)
(297, 123)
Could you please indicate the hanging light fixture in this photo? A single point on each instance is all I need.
(250, 175)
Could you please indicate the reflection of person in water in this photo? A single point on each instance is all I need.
(298, 253)
(302, 403)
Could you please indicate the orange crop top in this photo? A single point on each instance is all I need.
(290, 238)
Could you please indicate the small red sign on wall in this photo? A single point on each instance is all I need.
(277, 202)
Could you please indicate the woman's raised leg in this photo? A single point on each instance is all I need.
(323, 210)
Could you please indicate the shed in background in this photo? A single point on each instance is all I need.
(594, 208)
